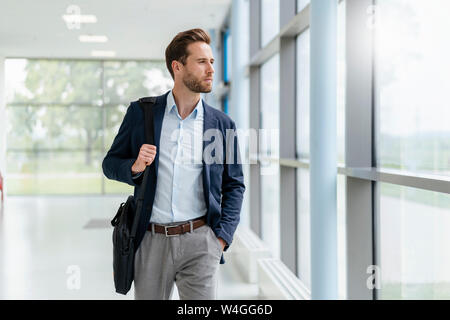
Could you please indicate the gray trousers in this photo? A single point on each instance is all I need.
(191, 260)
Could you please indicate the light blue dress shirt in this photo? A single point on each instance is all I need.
(179, 188)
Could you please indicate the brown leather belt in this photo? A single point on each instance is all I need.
(178, 229)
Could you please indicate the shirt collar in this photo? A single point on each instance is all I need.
(171, 106)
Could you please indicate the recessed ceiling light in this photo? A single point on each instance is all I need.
(90, 38)
(102, 53)
(79, 18)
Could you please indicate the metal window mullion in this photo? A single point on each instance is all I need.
(103, 119)
(254, 116)
(429, 182)
(287, 98)
(359, 147)
(50, 104)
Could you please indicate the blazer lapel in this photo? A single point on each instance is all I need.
(209, 122)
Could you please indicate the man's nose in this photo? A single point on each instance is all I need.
(211, 69)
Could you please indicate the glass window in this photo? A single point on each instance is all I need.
(303, 153)
(270, 176)
(270, 107)
(54, 171)
(53, 81)
(301, 4)
(413, 85)
(303, 91)
(127, 81)
(302, 142)
(69, 127)
(341, 180)
(413, 243)
(242, 117)
(61, 123)
(227, 55)
(341, 234)
(270, 20)
(304, 227)
(114, 117)
(341, 86)
(225, 104)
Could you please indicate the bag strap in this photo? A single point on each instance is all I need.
(146, 104)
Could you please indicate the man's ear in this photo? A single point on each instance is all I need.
(175, 65)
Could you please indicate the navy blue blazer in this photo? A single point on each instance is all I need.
(223, 183)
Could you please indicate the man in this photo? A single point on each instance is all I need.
(195, 186)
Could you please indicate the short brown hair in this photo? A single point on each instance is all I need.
(177, 48)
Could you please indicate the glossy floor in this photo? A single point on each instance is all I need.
(60, 248)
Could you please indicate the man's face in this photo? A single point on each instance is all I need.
(197, 73)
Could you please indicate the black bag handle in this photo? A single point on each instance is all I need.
(146, 105)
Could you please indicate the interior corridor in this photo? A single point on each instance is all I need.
(47, 241)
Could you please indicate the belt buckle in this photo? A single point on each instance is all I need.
(169, 235)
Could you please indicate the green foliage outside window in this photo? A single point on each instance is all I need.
(63, 116)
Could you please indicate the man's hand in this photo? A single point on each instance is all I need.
(147, 154)
(223, 243)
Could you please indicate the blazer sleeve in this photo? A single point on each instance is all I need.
(119, 160)
(233, 189)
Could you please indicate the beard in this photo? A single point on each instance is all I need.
(195, 85)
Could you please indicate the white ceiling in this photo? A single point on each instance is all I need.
(136, 29)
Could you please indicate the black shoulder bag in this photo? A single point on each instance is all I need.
(126, 220)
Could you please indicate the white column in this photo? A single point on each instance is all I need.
(239, 100)
(323, 24)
